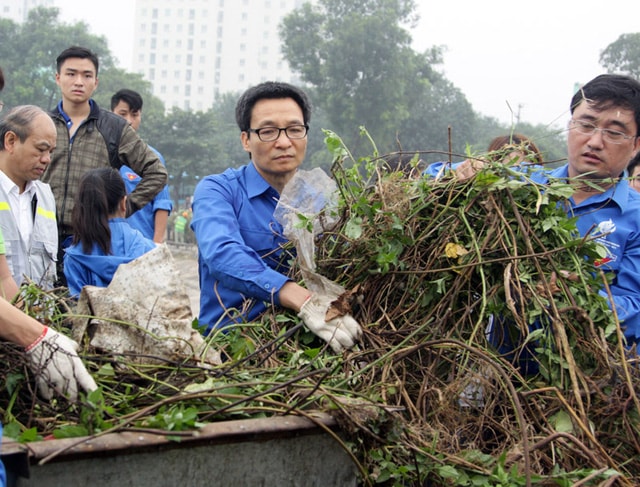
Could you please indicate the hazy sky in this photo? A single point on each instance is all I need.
(525, 55)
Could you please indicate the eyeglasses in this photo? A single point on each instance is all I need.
(588, 128)
(269, 134)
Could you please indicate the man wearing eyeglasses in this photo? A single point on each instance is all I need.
(602, 139)
(243, 263)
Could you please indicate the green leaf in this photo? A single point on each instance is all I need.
(562, 423)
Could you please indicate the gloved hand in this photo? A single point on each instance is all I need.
(54, 361)
(341, 332)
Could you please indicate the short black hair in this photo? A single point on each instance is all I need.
(611, 90)
(269, 90)
(130, 97)
(77, 52)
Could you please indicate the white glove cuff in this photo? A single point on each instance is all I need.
(37, 341)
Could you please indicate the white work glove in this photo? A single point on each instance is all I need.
(341, 332)
(54, 361)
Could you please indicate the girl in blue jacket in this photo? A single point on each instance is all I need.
(102, 238)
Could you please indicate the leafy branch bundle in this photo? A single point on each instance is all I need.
(425, 399)
(433, 263)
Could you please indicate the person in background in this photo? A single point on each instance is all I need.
(509, 148)
(152, 218)
(179, 226)
(634, 172)
(89, 137)
(241, 258)
(102, 238)
(51, 356)
(27, 205)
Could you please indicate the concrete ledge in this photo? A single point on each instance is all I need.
(279, 451)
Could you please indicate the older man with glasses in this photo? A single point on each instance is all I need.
(243, 261)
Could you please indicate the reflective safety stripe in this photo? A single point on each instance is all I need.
(46, 213)
(4, 205)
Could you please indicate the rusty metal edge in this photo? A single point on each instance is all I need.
(131, 442)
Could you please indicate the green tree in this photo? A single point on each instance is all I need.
(29, 50)
(357, 56)
(186, 141)
(623, 55)
(226, 136)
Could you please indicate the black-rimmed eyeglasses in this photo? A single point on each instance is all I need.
(269, 134)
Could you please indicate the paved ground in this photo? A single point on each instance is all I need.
(186, 257)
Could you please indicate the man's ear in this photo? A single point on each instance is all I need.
(10, 140)
(244, 139)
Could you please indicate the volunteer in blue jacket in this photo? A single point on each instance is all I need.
(243, 265)
(102, 238)
(602, 139)
(152, 218)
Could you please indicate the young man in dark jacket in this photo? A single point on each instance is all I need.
(89, 137)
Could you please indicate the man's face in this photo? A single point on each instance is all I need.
(77, 80)
(27, 160)
(595, 157)
(283, 155)
(134, 117)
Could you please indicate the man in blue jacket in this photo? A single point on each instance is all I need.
(152, 218)
(243, 264)
(602, 139)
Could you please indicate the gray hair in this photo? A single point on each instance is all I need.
(19, 121)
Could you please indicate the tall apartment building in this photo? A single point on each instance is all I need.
(17, 10)
(194, 50)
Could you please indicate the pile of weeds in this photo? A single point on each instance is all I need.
(428, 397)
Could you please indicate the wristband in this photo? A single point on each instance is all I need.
(37, 340)
(306, 300)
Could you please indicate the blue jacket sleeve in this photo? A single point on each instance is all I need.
(224, 250)
(77, 276)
